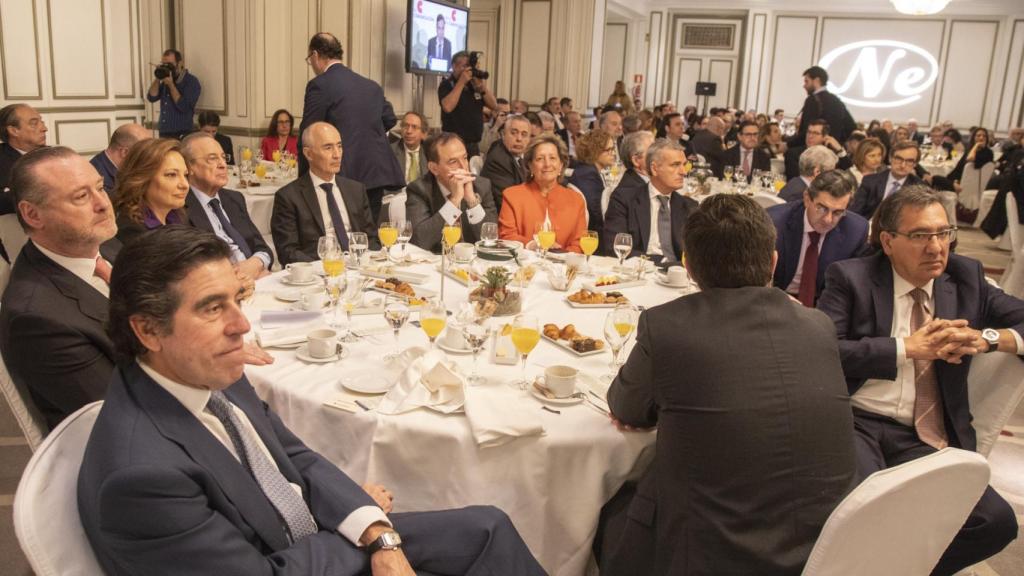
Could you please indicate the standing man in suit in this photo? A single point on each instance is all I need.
(503, 166)
(813, 161)
(187, 471)
(410, 154)
(876, 187)
(320, 202)
(813, 233)
(447, 195)
(743, 420)
(747, 156)
(22, 130)
(823, 105)
(213, 208)
(109, 161)
(462, 97)
(439, 48)
(654, 215)
(358, 110)
(909, 319)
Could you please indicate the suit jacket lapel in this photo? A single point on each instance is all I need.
(882, 295)
(196, 213)
(309, 195)
(90, 302)
(679, 210)
(643, 214)
(835, 239)
(944, 293)
(793, 238)
(353, 205)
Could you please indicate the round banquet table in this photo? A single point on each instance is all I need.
(552, 486)
(259, 200)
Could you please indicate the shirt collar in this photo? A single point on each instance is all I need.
(444, 189)
(193, 399)
(903, 288)
(654, 192)
(83, 268)
(808, 228)
(410, 150)
(892, 179)
(203, 198)
(819, 90)
(317, 181)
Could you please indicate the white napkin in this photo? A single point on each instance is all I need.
(427, 381)
(497, 416)
(284, 318)
(286, 336)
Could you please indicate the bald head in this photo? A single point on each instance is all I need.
(321, 145)
(126, 136)
(716, 126)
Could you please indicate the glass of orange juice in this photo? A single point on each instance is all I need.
(277, 156)
(588, 243)
(246, 153)
(433, 317)
(450, 236)
(261, 170)
(545, 235)
(525, 336)
(388, 235)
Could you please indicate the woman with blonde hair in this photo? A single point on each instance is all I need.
(152, 185)
(620, 100)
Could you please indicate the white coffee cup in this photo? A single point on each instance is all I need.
(464, 251)
(315, 299)
(676, 276)
(453, 337)
(299, 272)
(323, 343)
(560, 380)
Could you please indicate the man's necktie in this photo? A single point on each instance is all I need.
(336, 219)
(289, 505)
(809, 273)
(665, 228)
(102, 270)
(230, 230)
(520, 169)
(894, 188)
(413, 167)
(746, 163)
(928, 421)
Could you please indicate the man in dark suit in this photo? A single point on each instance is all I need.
(813, 161)
(634, 181)
(747, 156)
(209, 123)
(708, 142)
(187, 471)
(109, 161)
(876, 187)
(319, 202)
(22, 130)
(823, 105)
(411, 155)
(654, 215)
(439, 48)
(814, 233)
(817, 135)
(570, 133)
(913, 132)
(503, 166)
(766, 431)
(448, 194)
(215, 209)
(356, 107)
(909, 319)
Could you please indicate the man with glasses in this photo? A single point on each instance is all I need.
(410, 154)
(215, 209)
(876, 187)
(818, 134)
(815, 232)
(909, 319)
(746, 156)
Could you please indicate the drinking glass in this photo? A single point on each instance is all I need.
(450, 236)
(350, 299)
(276, 156)
(261, 170)
(489, 233)
(396, 312)
(623, 246)
(388, 234)
(358, 243)
(618, 326)
(588, 243)
(336, 286)
(545, 234)
(329, 250)
(433, 317)
(404, 235)
(525, 335)
(727, 172)
(246, 153)
(476, 336)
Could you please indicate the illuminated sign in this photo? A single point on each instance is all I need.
(890, 73)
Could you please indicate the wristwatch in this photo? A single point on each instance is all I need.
(389, 540)
(992, 337)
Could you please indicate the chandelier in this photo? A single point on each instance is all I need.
(919, 7)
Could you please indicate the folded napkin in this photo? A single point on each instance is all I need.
(283, 318)
(427, 381)
(286, 336)
(497, 415)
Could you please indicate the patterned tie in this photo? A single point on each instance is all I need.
(286, 501)
(102, 269)
(665, 228)
(746, 163)
(928, 422)
(413, 170)
(809, 273)
(336, 219)
(520, 170)
(894, 188)
(230, 230)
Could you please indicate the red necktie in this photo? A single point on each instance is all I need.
(809, 274)
(102, 270)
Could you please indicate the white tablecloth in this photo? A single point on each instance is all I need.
(552, 486)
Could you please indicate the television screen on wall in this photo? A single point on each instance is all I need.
(434, 32)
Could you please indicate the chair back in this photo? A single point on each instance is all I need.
(31, 422)
(973, 182)
(12, 235)
(46, 519)
(476, 163)
(995, 386)
(900, 520)
(1014, 269)
(586, 213)
(394, 207)
(767, 200)
(5, 275)
(778, 165)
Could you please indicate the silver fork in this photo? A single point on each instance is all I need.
(589, 402)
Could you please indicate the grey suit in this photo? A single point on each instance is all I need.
(423, 201)
(500, 168)
(399, 149)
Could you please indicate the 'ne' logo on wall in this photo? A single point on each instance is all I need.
(880, 73)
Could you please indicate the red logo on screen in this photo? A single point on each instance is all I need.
(453, 15)
(419, 6)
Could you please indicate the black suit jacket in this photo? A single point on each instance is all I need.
(107, 170)
(398, 148)
(706, 144)
(225, 144)
(587, 178)
(629, 211)
(793, 190)
(754, 449)
(731, 157)
(423, 201)
(446, 50)
(500, 168)
(826, 106)
(356, 107)
(859, 298)
(844, 241)
(297, 224)
(872, 191)
(234, 207)
(8, 156)
(52, 334)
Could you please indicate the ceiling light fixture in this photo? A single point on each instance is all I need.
(919, 7)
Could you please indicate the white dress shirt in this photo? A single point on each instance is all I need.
(325, 213)
(888, 184)
(794, 286)
(450, 212)
(236, 253)
(654, 243)
(194, 400)
(84, 268)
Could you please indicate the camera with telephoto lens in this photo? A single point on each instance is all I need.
(474, 59)
(164, 70)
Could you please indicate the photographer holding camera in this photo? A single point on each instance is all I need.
(463, 96)
(178, 91)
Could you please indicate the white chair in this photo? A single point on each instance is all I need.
(586, 213)
(995, 386)
(766, 200)
(12, 235)
(988, 198)
(778, 165)
(1016, 235)
(46, 517)
(31, 422)
(395, 206)
(972, 182)
(475, 164)
(900, 520)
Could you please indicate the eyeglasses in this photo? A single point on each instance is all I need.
(214, 159)
(749, 134)
(609, 149)
(821, 210)
(907, 161)
(922, 238)
(308, 57)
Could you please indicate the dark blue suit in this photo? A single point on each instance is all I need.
(589, 181)
(235, 209)
(107, 170)
(872, 191)
(159, 494)
(844, 241)
(859, 299)
(629, 211)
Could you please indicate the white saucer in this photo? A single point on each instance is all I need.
(555, 401)
(451, 350)
(311, 281)
(661, 280)
(302, 353)
(291, 346)
(366, 383)
(297, 307)
(288, 295)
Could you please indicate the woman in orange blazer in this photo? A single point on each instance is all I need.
(526, 206)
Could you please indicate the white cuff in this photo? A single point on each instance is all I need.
(265, 258)
(476, 214)
(353, 526)
(901, 352)
(450, 212)
(1017, 339)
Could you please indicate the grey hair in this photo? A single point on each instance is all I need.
(603, 121)
(660, 145)
(914, 195)
(636, 143)
(838, 184)
(189, 142)
(545, 115)
(817, 157)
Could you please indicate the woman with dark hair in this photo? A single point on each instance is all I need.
(279, 135)
(869, 158)
(979, 155)
(771, 140)
(152, 185)
(595, 151)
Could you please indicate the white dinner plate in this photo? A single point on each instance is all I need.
(302, 353)
(621, 285)
(451, 350)
(578, 305)
(367, 383)
(556, 401)
(311, 281)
